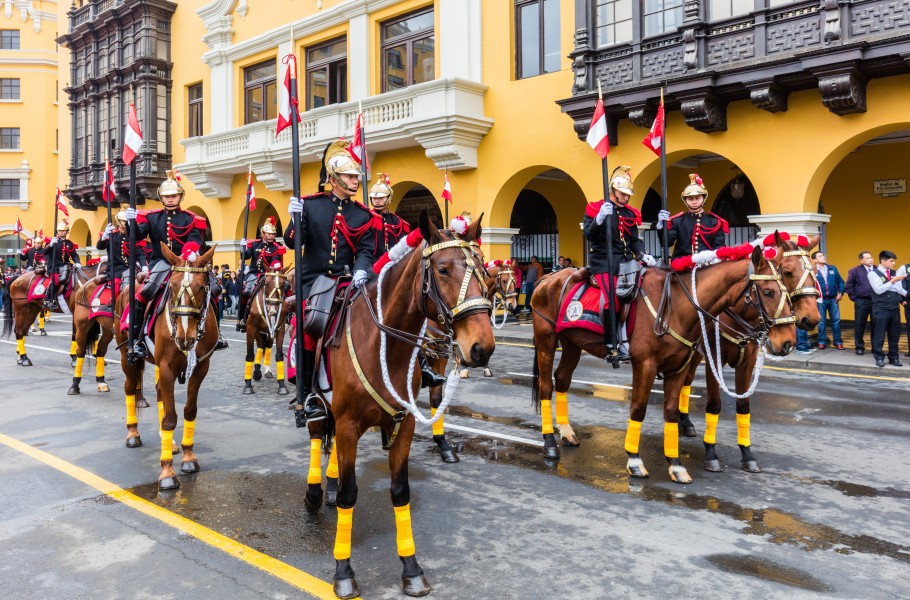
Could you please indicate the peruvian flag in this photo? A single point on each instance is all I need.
(447, 190)
(654, 138)
(597, 134)
(18, 227)
(357, 147)
(108, 191)
(61, 203)
(250, 191)
(132, 137)
(287, 102)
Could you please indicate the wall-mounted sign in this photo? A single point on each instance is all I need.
(889, 187)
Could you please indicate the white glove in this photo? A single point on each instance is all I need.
(243, 242)
(662, 217)
(295, 206)
(360, 277)
(605, 211)
(131, 214)
(648, 260)
(145, 269)
(107, 231)
(53, 241)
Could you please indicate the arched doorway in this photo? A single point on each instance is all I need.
(418, 199)
(207, 236)
(10, 248)
(538, 230)
(736, 201)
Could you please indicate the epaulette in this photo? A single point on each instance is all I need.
(723, 222)
(199, 222)
(593, 208)
(142, 215)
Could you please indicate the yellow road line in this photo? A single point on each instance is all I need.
(292, 575)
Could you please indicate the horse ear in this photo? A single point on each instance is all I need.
(777, 241)
(170, 256)
(813, 241)
(427, 229)
(205, 258)
(475, 229)
(757, 255)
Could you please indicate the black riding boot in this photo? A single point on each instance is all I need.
(619, 351)
(50, 298)
(139, 351)
(428, 377)
(313, 406)
(241, 316)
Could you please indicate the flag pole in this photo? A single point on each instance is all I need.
(608, 223)
(663, 181)
(52, 263)
(19, 242)
(131, 356)
(365, 160)
(446, 201)
(110, 246)
(298, 226)
(246, 220)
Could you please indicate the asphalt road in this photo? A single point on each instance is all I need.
(828, 517)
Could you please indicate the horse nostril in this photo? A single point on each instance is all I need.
(787, 347)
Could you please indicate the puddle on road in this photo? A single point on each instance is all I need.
(767, 570)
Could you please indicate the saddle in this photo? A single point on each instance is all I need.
(581, 302)
(327, 303)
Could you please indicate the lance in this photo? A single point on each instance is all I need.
(19, 246)
(663, 181)
(246, 221)
(608, 223)
(132, 258)
(110, 245)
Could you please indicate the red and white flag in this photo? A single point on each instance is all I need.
(132, 137)
(597, 134)
(61, 203)
(447, 190)
(655, 137)
(250, 191)
(287, 102)
(18, 228)
(357, 147)
(108, 191)
(177, 175)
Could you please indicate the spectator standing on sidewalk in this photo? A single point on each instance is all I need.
(533, 272)
(831, 285)
(860, 292)
(886, 314)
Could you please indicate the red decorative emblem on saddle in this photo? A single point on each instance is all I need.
(102, 304)
(38, 288)
(581, 309)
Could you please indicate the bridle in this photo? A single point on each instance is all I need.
(464, 306)
(801, 288)
(510, 284)
(192, 309)
(273, 299)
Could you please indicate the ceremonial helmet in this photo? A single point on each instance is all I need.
(170, 187)
(696, 187)
(621, 180)
(382, 187)
(121, 215)
(39, 238)
(269, 226)
(62, 225)
(338, 161)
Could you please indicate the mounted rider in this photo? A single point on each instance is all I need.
(60, 254)
(393, 229)
(263, 255)
(176, 228)
(32, 251)
(339, 235)
(695, 229)
(118, 239)
(627, 245)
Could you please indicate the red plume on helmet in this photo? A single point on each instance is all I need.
(190, 251)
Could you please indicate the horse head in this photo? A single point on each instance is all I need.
(274, 291)
(506, 285)
(189, 298)
(454, 290)
(768, 296)
(799, 278)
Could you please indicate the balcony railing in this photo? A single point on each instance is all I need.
(444, 116)
(88, 11)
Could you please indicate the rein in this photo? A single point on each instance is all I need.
(178, 309)
(272, 299)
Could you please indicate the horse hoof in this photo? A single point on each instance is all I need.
(635, 467)
(448, 456)
(268, 375)
(248, 390)
(181, 378)
(678, 474)
(346, 588)
(416, 586)
(45, 333)
(463, 374)
(331, 491)
(751, 466)
(487, 372)
(257, 373)
(282, 390)
(72, 362)
(73, 391)
(687, 430)
(168, 483)
(133, 442)
(190, 466)
(551, 452)
(714, 466)
(312, 505)
(142, 402)
(26, 361)
(103, 387)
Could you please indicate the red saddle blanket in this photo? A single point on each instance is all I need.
(582, 308)
(102, 303)
(38, 288)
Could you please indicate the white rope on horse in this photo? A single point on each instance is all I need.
(505, 315)
(395, 255)
(718, 368)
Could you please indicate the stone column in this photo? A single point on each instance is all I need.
(802, 223)
(497, 242)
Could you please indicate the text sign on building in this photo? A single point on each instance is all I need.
(889, 187)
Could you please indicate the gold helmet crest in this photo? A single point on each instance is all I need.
(621, 180)
(696, 187)
(338, 161)
(170, 187)
(62, 225)
(382, 187)
(269, 226)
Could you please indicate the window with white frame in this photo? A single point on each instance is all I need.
(613, 22)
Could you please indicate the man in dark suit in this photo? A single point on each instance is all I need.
(860, 292)
(831, 285)
(889, 296)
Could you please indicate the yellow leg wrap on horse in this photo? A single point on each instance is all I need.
(160, 413)
(20, 346)
(259, 356)
(189, 430)
(562, 408)
(73, 347)
(711, 428)
(315, 473)
(343, 533)
(332, 470)
(279, 370)
(157, 374)
(742, 429)
(438, 427)
(671, 440)
(248, 371)
(167, 445)
(267, 357)
(546, 417)
(633, 436)
(131, 409)
(41, 322)
(99, 366)
(404, 535)
(95, 346)
(684, 399)
(78, 371)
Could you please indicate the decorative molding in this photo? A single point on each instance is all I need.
(704, 112)
(769, 96)
(273, 176)
(643, 115)
(797, 223)
(210, 185)
(690, 53)
(843, 90)
(21, 173)
(831, 10)
(242, 9)
(499, 235)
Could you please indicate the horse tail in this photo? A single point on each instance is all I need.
(7, 309)
(535, 383)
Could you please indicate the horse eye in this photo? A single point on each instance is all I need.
(442, 271)
(788, 273)
(767, 293)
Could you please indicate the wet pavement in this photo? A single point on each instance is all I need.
(828, 517)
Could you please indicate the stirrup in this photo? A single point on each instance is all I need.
(221, 344)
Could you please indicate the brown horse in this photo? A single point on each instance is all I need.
(798, 277)
(183, 338)
(20, 312)
(265, 327)
(438, 280)
(719, 286)
(90, 332)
